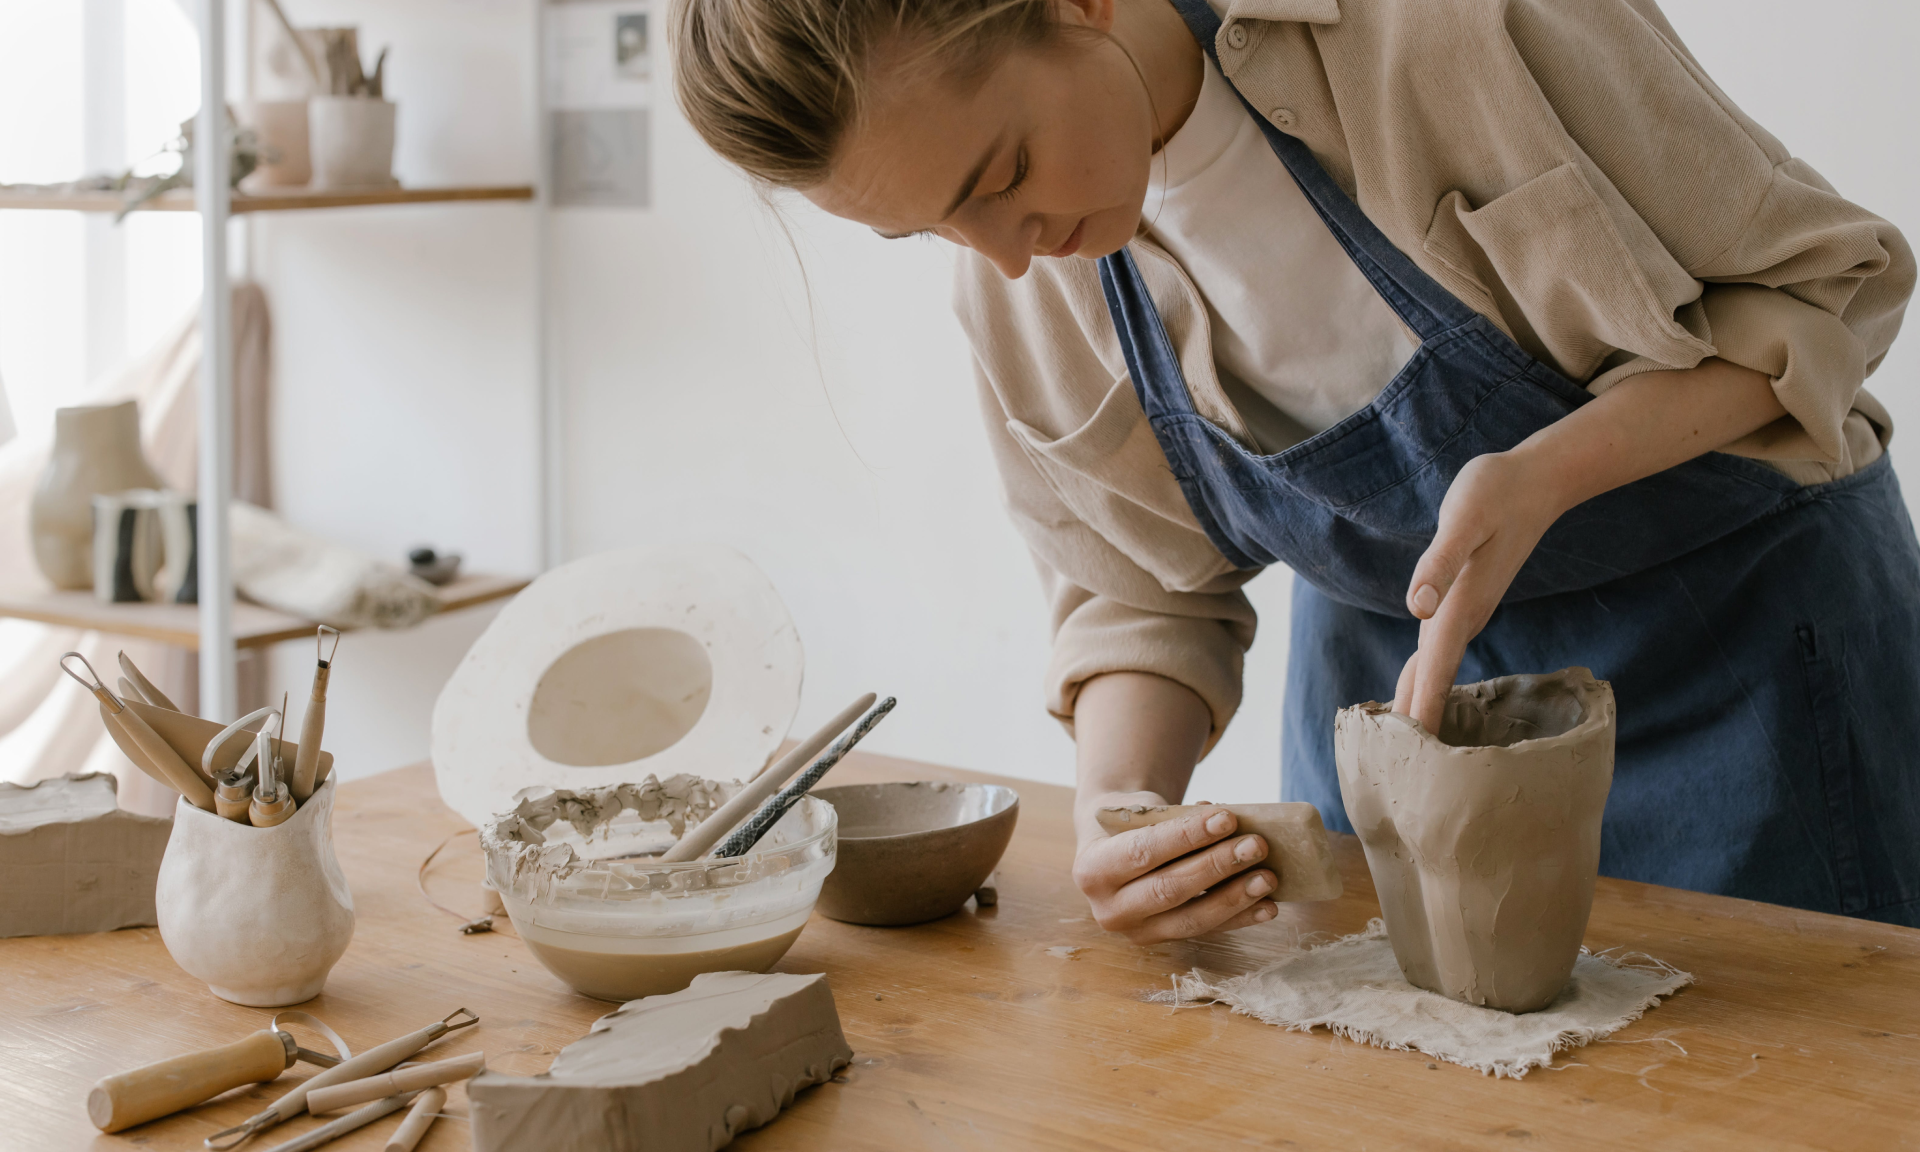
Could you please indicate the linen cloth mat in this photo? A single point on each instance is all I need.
(1353, 986)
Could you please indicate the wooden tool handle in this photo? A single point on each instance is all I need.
(166, 1086)
(160, 754)
(262, 814)
(306, 762)
(392, 1083)
(425, 1111)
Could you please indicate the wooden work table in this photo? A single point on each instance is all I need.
(968, 1033)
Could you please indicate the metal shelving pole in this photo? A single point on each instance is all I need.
(212, 194)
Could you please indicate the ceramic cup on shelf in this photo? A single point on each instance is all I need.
(280, 126)
(96, 449)
(350, 140)
(260, 914)
(144, 547)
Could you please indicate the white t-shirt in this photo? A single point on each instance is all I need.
(1292, 319)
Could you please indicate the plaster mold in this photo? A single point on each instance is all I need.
(71, 860)
(1484, 842)
(642, 661)
(685, 1072)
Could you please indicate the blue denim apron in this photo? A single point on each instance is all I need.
(1763, 638)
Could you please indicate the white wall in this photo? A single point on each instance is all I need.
(686, 348)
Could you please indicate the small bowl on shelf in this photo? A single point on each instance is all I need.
(910, 853)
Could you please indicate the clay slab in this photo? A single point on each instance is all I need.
(685, 1072)
(72, 861)
(1297, 848)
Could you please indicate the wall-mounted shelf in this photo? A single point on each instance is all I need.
(179, 624)
(283, 200)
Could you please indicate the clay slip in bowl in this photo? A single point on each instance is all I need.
(910, 853)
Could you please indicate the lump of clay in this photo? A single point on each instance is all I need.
(71, 860)
(1484, 841)
(1297, 848)
(685, 1072)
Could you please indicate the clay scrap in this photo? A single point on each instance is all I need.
(679, 801)
(1297, 848)
(71, 860)
(1484, 840)
(684, 1072)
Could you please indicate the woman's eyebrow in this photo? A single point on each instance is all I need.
(967, 189)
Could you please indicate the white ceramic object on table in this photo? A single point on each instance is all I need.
(350, 141)
(260, 914)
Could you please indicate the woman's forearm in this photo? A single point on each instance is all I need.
(1647, 424)
(1134, 732)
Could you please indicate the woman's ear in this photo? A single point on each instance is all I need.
(1095, 14)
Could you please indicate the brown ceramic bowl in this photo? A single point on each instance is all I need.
(910, 853)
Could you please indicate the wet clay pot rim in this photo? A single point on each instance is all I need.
(1595, 702)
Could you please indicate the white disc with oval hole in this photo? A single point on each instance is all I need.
(616, 666)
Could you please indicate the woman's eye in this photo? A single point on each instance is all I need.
(1019, 177)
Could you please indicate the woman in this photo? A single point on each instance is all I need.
(1494, 320)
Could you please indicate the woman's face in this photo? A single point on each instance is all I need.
(1048, 156)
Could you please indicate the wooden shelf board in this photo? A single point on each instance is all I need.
(285, 200)
(179, 624)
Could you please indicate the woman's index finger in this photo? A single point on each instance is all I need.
(1148, 848)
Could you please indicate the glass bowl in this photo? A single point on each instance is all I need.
(616, 925)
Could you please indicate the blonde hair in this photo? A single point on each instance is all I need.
(773, 85)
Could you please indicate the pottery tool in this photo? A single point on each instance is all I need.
(147, 691)
(695, 843)
(368, 1063)
(352, 1121)
(757, 825)
(272, 804)
(409, 1079)
(426, 1108)
(306, 762)
(160, 760)
(1297, 848)
(166, 1086)
(233, 788)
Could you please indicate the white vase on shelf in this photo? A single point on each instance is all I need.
(96, 448)
(350, 141)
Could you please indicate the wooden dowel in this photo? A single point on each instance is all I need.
(695, 843)
(173, 770)
(426, 1109)
(391, 1083)
(327, 1133)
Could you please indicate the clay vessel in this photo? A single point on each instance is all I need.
(260, 914)
(281, 127)
(350, 141)
(95, 449)
(910, 853)
(1484, 842)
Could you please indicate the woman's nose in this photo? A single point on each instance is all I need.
(1009, 245)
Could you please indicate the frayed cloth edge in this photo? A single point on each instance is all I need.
(1200, 987)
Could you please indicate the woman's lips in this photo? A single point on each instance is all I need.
(1072, 244)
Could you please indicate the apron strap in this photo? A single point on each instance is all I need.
(1151, 359)
(1420, 302)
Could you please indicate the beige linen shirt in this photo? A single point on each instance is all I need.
(1564, 167)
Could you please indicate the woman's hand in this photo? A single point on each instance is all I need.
(1500, 505)
(1173, 880)
(1494, 513)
